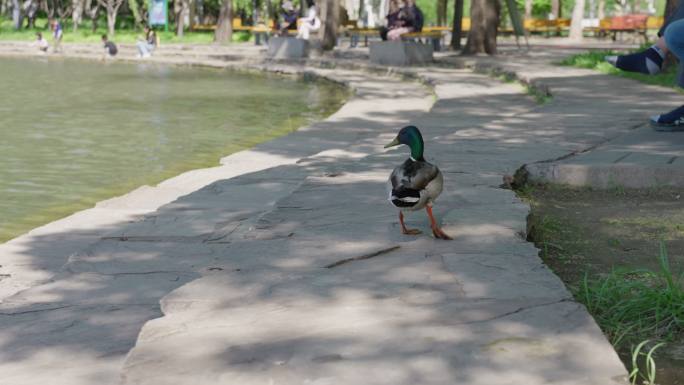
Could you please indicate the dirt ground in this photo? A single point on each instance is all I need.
(583, 231)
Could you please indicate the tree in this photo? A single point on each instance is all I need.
(577, 17)
(329, 12)
(457, 27)
(224, 29)
(441, 12)
(76, 13)
(17, 17)
(181, 8)
(135, 10)
(112, 7)
(670, 7)
(528, 9)
(92, 9)
(556, 9)
(484, 21)
(31, 10)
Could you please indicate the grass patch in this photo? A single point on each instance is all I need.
(634, 305)
(540, 96)
(594, 60)
(123, 35)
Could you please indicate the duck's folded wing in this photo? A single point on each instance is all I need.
(404, 197)
(426, 174)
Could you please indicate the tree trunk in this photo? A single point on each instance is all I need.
(577, 17)
(528, 9)
(224, 28)
(441, 12)
(457, 26)
(135, 10)
(330, 23)
(76, 13)
(93, 14)
(111, 21)
(192, 13)
(670, 7)
(601, 12)
(180, 9)
(484, 21)
(556, 9)
(17, 19)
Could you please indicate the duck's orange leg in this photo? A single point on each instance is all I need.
(436, 230)
(404, 230)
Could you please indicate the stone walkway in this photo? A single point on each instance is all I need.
(288, 267)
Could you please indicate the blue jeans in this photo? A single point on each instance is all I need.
(674, 43)
(674, 39)
(145, 48)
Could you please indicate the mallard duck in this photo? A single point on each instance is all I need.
(416, 183)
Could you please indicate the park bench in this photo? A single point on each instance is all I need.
(542, 26)
(261, 30)
(356, 33)
(618, 25)
(434, 37)
(654, 22)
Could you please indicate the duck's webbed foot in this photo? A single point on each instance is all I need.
(404, 229)
(440, 234)
(436, 230)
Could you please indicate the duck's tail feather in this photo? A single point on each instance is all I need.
(403, 197)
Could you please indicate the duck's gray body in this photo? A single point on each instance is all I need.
(414, 185)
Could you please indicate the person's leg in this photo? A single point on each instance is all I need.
(304, 31)
(149, 48)
(144, 48)
(300, 31)
(383, 33)
(396, 33)
(648, 62)
(674, 38)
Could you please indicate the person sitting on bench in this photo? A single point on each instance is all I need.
(310, 23)
(411, 20)
(288, 17)
(392, 19)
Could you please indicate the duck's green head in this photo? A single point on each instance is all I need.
(411, 137)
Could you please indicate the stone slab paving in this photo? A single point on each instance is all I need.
(294, 271)
(625, 151)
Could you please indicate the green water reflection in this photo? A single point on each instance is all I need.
(77, 132)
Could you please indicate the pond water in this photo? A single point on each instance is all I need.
(77, 132)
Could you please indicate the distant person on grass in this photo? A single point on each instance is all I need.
(147, 45)
(57, 34)
(109, 47)
(42, 43)
(650, 62)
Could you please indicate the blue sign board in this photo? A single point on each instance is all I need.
(159, 12)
